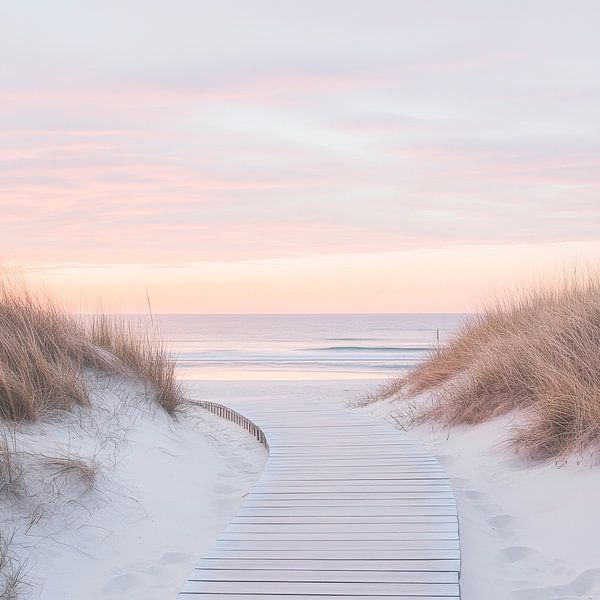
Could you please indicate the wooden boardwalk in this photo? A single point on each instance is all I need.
(346, 507)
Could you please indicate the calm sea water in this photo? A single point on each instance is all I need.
(293, 347)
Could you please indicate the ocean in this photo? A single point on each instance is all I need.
(302, 347)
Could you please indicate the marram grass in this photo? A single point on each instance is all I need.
(45, 352)
(537, 352)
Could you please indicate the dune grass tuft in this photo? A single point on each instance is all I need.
(45, 352)
(84, 470)
(12, 571)
(538, 351)
(12, 472)
(385, 390)
(143, 354)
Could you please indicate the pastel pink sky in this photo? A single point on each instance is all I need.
(287, 157)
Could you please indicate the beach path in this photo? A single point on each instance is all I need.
(346, 507)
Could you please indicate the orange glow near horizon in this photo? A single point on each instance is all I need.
(454, 279)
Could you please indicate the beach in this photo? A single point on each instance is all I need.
(120, 498)
(164, 489)
(299, 300)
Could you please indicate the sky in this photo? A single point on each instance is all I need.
(315, 156)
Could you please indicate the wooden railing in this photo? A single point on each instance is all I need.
(231, 415)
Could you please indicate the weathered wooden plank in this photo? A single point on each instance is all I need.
(316, 554)
(210, 596)
(354, 511)
(315, 495)
(352, 470)
(340, 461)
(395, 565)
(349, 521)
(333, 545)
(308, 474)
(362, 537)
(341, 502)
(354, 484)
(263, 588)
(346, 440)
(364, 530)
(360, 477)
(324, 576)
(369, 450)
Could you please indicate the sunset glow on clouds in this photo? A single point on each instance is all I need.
(234, 156)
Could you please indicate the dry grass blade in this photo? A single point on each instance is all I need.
(383, 392)
(141, 353)
(12, 571)
(539, 351)
(12, 481)
(84, 470)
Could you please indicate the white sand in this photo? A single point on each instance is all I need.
(165, 491)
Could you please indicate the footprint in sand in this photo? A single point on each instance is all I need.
(445, 459)
(585, 585)
(226, 474)
(480, 500)
(120, 586)
(223, 503)
(154, 570)
(512, 554)
(224, 488)
(174, 558)
(243, 465)
(459, 482)
(474, 495)
(504, 522)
